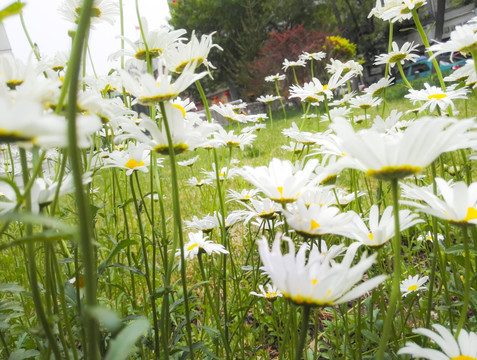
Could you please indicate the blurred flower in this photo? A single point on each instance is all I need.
(313, 220)
(134, 158)
(365, 102)
(103, 10)
(320, 55)
(462, 39)
(397, 155)
(461, 349)
(314, 280)
(150, 90)
(290, 64)
(276, 77)
(381, 229)
(268, 99)
(351, 66)
(398, 55)
(413, 284)
(458, 204)
(280, 181)
(158, 42)
(378, 88)
(271, 293)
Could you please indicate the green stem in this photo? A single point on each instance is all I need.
(281, 101)
(214, 308)
(425, 41)
(303, 331)
(32, 45)
(84, 217)
(32, 270)
(467, 281)
(404, 78)
(395, 291)
(178, 225)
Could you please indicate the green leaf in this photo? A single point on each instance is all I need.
(10, 10)
(119, 246)
(458, 250)
(106, 317)
(129, 268)
(23, 354)
(123, 345)
(45, 236)
(11, 288)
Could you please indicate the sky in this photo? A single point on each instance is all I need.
(49, 30)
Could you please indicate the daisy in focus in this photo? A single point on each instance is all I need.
(134, 158)
(315, 280)
(461, 349)
(434, 96)
(200, 243)
(413, 284)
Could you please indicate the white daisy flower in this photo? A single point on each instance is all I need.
(398, 55)
(271, 293)
(381, 229)
(365, 102)
(463, 39)
(457, 202)
(314, 280)
(378, 88)
(461, 349)
(268, 99)
(102, 11)
(280, 180)
(276, 77)
(134, 158)
(290, 64)
(200, 243)
(434, 96)
(413, 284)
(397, 155)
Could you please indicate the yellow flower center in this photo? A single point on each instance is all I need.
(325, 87)
(412, 288)
(280, 190)
(314, 281)
(437, 96)
(471, 214)
(463, 357)
(371, 236)
(271, 295)
(314, 225)
(132, 164)
(177, 106)
(192, 247)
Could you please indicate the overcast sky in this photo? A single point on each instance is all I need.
(49, 30)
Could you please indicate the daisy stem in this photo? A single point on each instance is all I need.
(425, 41)
(178, 226)
(143, 37)
(86, 241)
(303, 331)
(270, 114)
(327, 108)
(409, 86)
(467, 281)
(32, 269)
(281, 101)
(213, 307)
(435, 248)
(396, 277)
(32, 45)
(146, 263)
(474, 56)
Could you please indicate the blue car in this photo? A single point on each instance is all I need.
(423, 67)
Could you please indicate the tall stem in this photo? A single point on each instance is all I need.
(395, 291)
(178, 225)
(467, 281)
(303, 331)
(84, 216)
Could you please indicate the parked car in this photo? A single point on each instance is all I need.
(423, 67)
